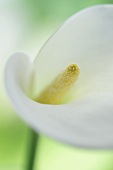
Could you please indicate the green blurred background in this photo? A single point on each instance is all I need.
(24, 26)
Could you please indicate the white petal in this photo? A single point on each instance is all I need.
(86, 39)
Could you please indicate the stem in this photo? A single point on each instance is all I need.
(33, 138)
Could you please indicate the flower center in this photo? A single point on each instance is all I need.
(55, 92)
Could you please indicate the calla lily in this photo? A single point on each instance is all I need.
(86, 120)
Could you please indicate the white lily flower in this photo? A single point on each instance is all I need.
(87, 120)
